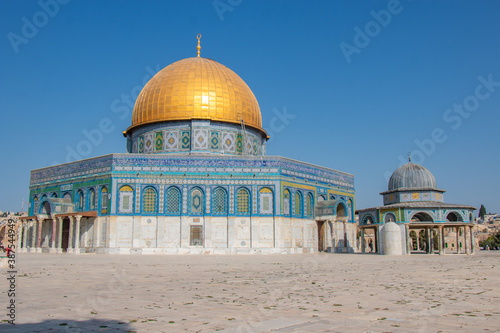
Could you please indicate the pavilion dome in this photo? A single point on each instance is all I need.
(197, 88)
(411, 176)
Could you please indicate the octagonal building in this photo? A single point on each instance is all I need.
(195, 179)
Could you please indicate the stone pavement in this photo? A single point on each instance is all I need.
(255, 293)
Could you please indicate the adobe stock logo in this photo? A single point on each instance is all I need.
(40, 19)
(372, 29)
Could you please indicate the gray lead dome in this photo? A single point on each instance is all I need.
(412, 175)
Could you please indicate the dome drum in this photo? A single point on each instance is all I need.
(195, 136)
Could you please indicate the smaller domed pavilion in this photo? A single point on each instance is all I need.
(416, 205)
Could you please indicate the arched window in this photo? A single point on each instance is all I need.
(53, 195)
(298, 204)
(149, 200)
(126, 199)
(309, 207)
(389, 218)
(286, 202)
(196, 201)
(45, 208)
(35, 204)
(266, 201)
(67, 196)
(104, 200)
(422, 217)
(173, 200)
(454, 217)
(79, 200)
(367, 219)
(321, 198)
(219, 201)
(91, 199)
(341, 211)
(242, 201)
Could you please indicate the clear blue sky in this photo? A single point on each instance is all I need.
(360, 100)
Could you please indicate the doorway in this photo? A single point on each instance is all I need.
(65, 235)
(321, 235)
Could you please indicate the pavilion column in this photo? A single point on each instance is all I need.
(59, 235)
(33, 235)
(472, 241)
(363, 241)
(430, 245)
(70, 236)
(457, 229)
(20, 227)
(408, 239)
(53, 236)
(440, 239)
(466, 231)
(418, 240)
(39, 236)
(25, 237)
(77, 234)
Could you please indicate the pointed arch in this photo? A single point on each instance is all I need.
(286, 202)
(298, 204)
(219, 201)
(125, 199)
(104, 200)
(197, 200)
(149, 198)
(173, 198)
(266, 201)
(243, 201)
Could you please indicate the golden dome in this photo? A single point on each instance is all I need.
(197, 88)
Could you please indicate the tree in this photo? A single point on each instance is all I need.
(482, 212)
(493, 241)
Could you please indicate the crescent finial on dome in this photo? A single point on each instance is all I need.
(198, 47)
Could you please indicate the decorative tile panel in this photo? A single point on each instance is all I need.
(239, 143)
(228, 142)
(148, 143)
(185, 140)
(137, 199)
(171, 140)
(200, 138)
(161, 200)
(184, 199)
(214, 140)
(231, 200)
(158, 141)
(140, 144)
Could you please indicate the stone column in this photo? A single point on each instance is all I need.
(430, 240)
(20, 226)
(59, 235)
(39, 236)
(33, 236)
(409, 242)
(77, 234)
(418, 240)
(25, 237)
(53, 238)
(457, 229)
(466, 230)
(363, 240)
(70, 236)
(472, 241)
(440, 238)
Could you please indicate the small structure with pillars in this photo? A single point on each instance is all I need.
(416, 205)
